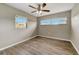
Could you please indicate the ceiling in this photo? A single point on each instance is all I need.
(53, 7)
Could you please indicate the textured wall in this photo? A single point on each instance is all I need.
(58, 31)
(8, 33)
(75, 26)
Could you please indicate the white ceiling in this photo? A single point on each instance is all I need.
(53, 7)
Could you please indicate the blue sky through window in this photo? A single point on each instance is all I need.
(44, 22)
(21, 20)
(55, 21)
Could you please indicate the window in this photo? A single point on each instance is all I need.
(54, 21)
(45, 22)
(20, 22)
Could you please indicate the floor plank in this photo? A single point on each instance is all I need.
(41, 46)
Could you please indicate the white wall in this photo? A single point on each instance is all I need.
(8, 33)
(75, 26)
(56, 31)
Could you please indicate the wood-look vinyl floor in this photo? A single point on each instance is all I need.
(41, 46)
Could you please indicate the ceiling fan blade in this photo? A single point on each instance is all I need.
(38, 7)
(32, 7)
(33, 11)
(46, 10)
(44, 4)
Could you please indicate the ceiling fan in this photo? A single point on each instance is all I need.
(39, 9)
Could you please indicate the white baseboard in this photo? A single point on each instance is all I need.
(17, 43)
(40, 36)
(54, 38)
(63, 40)
(75, 47)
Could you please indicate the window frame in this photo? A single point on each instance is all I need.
(23, 24)
(51, 23)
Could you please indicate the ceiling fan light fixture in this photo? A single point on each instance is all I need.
(39, 12)
(40, 9)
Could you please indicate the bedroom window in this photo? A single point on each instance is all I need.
(54, 21)
(20, 22)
